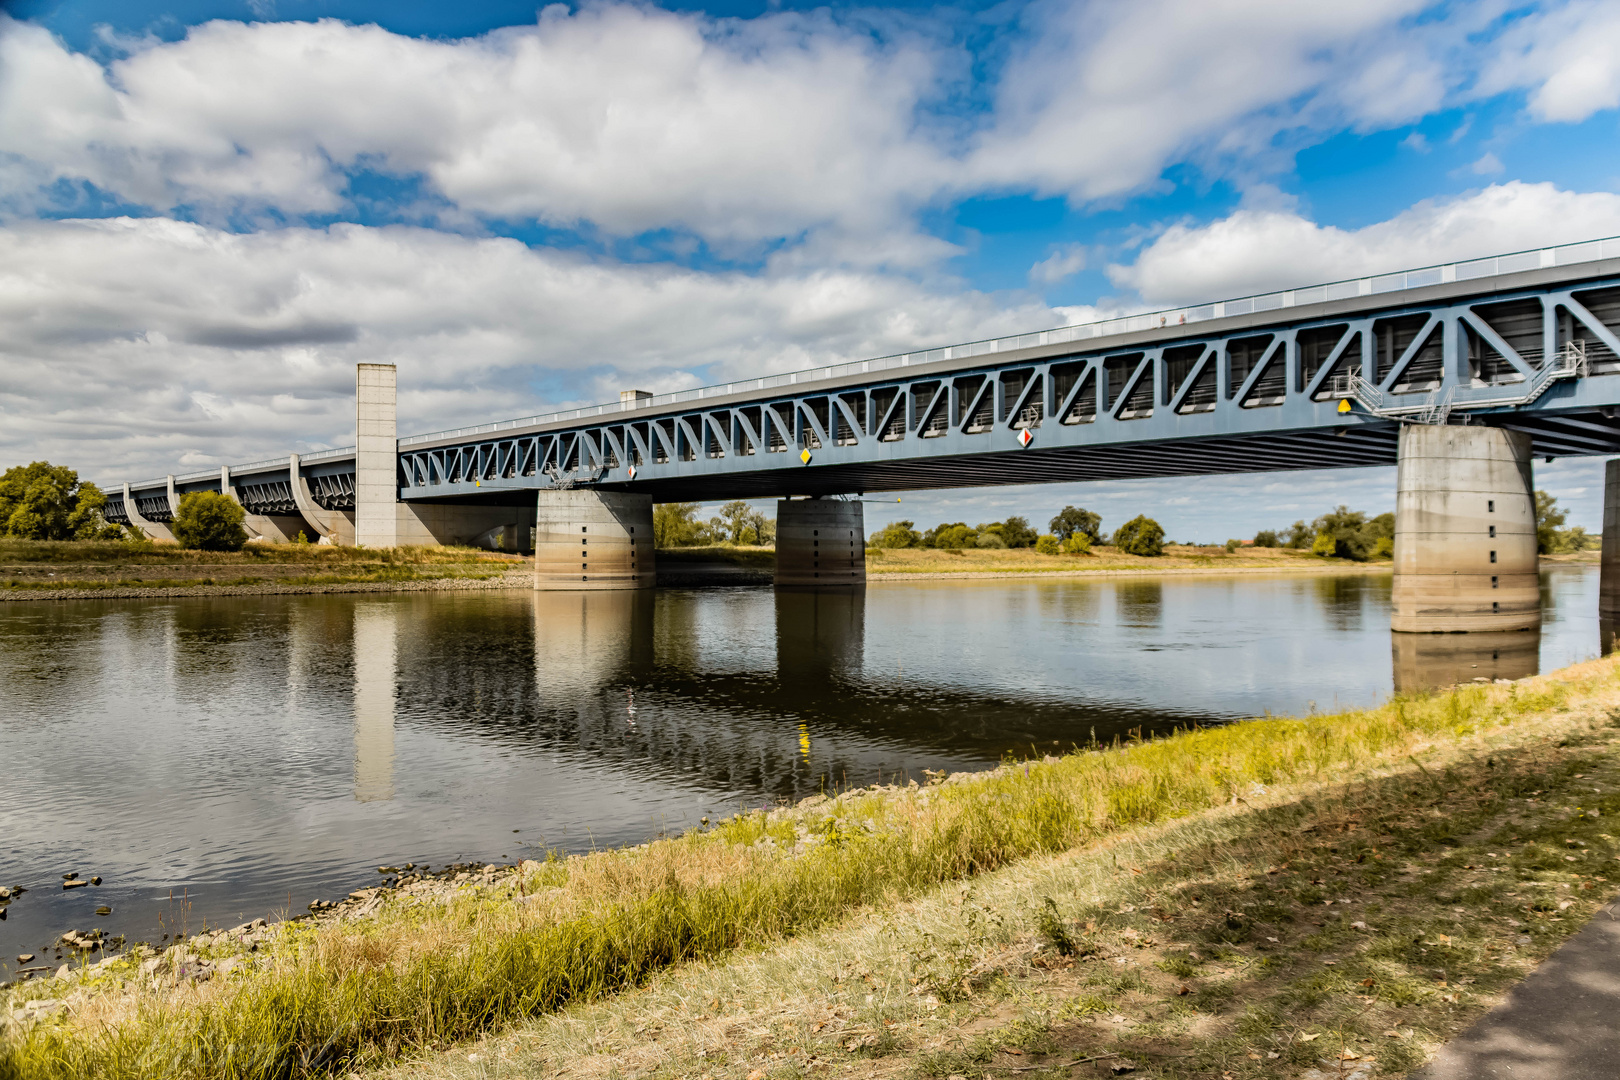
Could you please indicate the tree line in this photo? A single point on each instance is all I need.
(1350, 534)
(1072, 532)
(41, 501)
(676, 525)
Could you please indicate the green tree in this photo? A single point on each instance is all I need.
(1325, 545)
(1017, 533)
(1298, 536)
(736, 518)
(209, 520)
(41, 501)
(1047, 545)
(1140, 536)
(759, 529)
(676, 525)
(1266, 538)
(1549, 522)
(1072, 519)
(1354, 536)
(990, 538)
(897, 534)
(1078, 544)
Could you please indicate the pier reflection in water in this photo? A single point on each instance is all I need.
(249, 754)
(1428, 661)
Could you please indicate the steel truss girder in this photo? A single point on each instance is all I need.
(850, 431)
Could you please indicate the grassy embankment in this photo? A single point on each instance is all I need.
(1190, 863)
(1179, 557)
(48, 566)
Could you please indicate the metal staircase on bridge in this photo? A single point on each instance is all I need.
(1438, 405)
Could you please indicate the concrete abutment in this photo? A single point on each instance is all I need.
(1465, 531)
(820, 543)
(585, 539)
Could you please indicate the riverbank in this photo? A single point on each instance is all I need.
(115, 571)
(1166, 846)
(34, 570)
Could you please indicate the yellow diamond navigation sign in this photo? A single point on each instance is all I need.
(804, 456)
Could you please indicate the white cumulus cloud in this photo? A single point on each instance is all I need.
(1254, 251)
(131, 344)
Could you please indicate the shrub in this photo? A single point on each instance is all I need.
(1325, 545)
(1384, 547)
(897, 534)
(1265, 538)
(1140, 536)
(1047, 545)
(1233, 545)
(988, 539)
(953, 536)
(210, 521)
(1078, 544)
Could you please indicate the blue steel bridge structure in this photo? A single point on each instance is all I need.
(1307, 378)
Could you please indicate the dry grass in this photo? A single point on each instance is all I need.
(426, 974)
(1336, 926)
(910, 561)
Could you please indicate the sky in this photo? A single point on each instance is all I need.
(211, 210)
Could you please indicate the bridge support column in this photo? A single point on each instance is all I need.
(333, 526)
(589, 539)
(1465, 531)
(154, 530)
(820, 542)
(376, 457)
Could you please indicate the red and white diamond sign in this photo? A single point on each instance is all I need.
(1025, 438)
(632, 471)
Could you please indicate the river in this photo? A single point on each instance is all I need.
(217, 759)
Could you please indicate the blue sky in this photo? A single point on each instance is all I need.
(211, 210)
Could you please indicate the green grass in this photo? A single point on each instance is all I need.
(428, 975)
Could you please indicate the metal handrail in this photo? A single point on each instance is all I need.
(1568, 363)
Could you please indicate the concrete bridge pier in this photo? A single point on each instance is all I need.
(586, 539)
(1609, 575)
(1465, 531)
(820, 542)
(154, 530)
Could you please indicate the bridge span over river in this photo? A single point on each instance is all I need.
(1460, 373)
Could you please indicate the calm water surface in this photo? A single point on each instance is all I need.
(217, 759)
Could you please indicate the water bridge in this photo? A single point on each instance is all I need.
(1464, 371)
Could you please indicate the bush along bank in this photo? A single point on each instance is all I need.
(426, 969)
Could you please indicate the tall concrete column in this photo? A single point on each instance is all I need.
(376, 454)
(1465, 531)
(820, 542)
(588, 539)
(1609, 576)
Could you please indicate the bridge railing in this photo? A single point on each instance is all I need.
(1468, 270)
